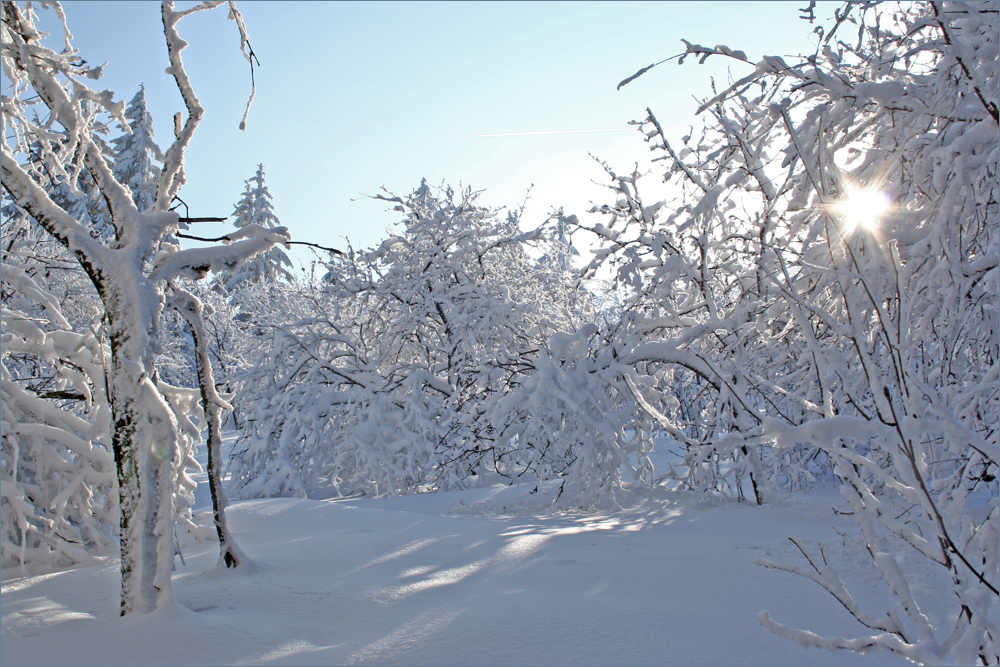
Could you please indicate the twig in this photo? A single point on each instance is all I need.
(220, 239)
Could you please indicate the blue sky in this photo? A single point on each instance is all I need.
(352, 96)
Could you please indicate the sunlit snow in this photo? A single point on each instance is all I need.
(482, 577)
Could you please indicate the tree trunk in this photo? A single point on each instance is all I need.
(143, 449)
(228, 551)
(191, 309)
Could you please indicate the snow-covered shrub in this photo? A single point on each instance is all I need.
(573, 418)
(58, 498)
(384, 383)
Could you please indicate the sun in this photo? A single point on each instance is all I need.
(862, 208)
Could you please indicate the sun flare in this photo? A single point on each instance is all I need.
(862, 208)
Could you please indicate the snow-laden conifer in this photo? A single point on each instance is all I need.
(137, 155)
(255, 208)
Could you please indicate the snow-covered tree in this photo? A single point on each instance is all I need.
(137, 155)
(820, 301)
(387, 381)
(255, 208)
(152, 426)
(563, 250)
(137, 163)
(45, 285)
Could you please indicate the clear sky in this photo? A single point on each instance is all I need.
(352, 96)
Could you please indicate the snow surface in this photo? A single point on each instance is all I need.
(464, 578)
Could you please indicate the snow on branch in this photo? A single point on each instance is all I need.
(196, 263)
(235, 15)
(34, 199)
(172, 176)
(690, 49)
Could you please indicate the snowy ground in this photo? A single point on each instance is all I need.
(444, 579)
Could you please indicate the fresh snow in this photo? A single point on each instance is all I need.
(482, 577)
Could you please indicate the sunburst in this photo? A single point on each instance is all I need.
(862, 208)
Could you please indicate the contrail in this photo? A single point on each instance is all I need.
(531, 134)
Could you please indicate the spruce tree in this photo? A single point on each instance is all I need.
(255, 208)
(136, 154)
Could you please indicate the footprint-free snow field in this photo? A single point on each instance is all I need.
(467, 578)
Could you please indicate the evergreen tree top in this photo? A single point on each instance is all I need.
(137, 153)
(141, 125)
(254, 207)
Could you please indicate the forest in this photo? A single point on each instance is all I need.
(814, 307)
